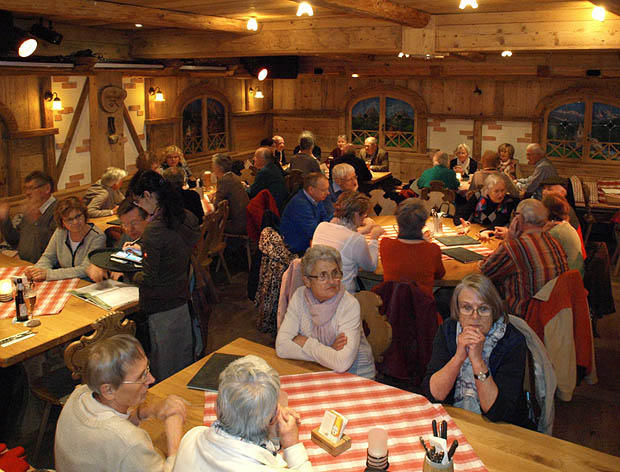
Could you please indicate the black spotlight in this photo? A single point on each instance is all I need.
(277, 67)
(46, 33)
(15, 40)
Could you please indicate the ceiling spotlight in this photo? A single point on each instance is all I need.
(506, 53)
(55, 99)
(157, 94)
(304, 9)
(598, 13)
(46, 33)
(139, 25)
(25, 45)
(262, 74)
(468, 3)
(355, 76)
(252, 24)
(401, 54)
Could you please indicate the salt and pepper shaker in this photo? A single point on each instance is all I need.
(377, 453)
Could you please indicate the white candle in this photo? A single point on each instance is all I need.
(6, 287)
(377, 442)
(458, 175)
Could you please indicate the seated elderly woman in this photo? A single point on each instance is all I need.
(508, 164)
(397, 254)
(248, 416)
(343, 233)
(439, 171)
(173, 157)
(560, 228)
(492, 207)
(478, 359)
(66, 255)
(103, 197)
(489, 163)
(463, 163)
(98, 427)
(322, 322)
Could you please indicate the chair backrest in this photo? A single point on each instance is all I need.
(540, 381)
(76, 354)
(294, 181)
(212, 231)
(247, 175)
(380, 330)
(438, 197)
(379, 205)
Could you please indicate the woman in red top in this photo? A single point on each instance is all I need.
(410, 257)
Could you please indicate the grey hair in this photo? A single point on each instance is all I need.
(176, 176)
(247, 398)
(372, 140)
(266, 153)
(536, 149)
(533, 212)
(306, 143)
(463, 146)
(318, 253)
(108, 361)
(343, 136)
(486, 290)
(223, 162)
(491, 181)
(113, 175)
(411, 216)
(340, 171)
(441, 158)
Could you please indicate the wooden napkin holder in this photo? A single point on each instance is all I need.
(333, 449)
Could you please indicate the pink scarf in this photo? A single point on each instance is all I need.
(321, 314)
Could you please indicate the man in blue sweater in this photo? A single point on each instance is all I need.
(304, 213)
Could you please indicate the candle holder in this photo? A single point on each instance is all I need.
(376, 464)
(377, 452)
(6, 290)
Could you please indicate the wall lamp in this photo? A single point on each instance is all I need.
(54, 98)
(157, 94)
(256, 93)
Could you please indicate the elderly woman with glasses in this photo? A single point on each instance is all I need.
(98, 427)
(343, 232)
(66, 255)
(248, 417)
(478, 360)
(323, 322)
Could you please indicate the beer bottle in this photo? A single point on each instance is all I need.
(20, 303)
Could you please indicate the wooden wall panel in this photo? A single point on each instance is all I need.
(248, 131)
(21, 96)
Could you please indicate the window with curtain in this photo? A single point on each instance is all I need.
(205, 127)
(391, 120)
(587, 129)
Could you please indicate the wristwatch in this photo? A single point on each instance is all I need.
(482, 376)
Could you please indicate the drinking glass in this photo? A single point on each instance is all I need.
(30, 297)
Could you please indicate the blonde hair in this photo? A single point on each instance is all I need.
(173, 150)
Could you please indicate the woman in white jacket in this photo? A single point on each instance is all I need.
(323, 322)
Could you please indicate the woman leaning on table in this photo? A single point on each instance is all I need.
(478, 359)
(323, 322)
(66, 255)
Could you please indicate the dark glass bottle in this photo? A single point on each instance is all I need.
(20, 303)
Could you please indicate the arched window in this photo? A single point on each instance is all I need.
(397, 120)
(584, 128)
(205, 126)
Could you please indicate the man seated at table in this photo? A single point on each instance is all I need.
(33, 231)
(490, 163)
(343, 179)
(248, 417)
(268, 177)
(544, 170)
(527, 260)
(316, 150)
(103, 197)
(304, 212)
(304, 160)
(376, 158)
(439, 171)
(230, 188)
(348, 157)
(98, 427)
(478, 359)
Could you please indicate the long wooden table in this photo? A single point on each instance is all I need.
(502, 447)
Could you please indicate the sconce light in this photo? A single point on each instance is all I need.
(256, 93)
(507, 53)
(157, 94)
(55, 99)
(598, 13)
(468, 3)
(304, 8)
(252, 24)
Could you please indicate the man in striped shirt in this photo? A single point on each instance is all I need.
(527, 260)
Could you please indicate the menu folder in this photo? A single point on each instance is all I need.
(208, 377)
(462, 255)
(456, 240)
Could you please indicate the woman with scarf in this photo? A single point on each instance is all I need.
(323, 323)
(478, 360)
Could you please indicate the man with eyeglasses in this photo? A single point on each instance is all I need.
(32, 230)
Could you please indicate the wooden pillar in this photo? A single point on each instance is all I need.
(47, 121)
(104, 154)
(477, 146)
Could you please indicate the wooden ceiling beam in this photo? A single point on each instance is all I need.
(109, 12)
(380, 9)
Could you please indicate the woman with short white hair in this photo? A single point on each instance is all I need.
(248, 416)
(98, 426)
(103, 197)
(323, 322)
(463, 163)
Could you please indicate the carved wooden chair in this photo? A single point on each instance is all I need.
(379, 205)
(378, 327)
(247, 175)
(439, 197)
(55, 387)
(212, 241)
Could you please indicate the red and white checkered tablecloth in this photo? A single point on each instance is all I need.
(52, 295)
(391, 231)
(367, 404)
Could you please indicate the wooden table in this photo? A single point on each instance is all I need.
(379, 176)
(502, 447)
(455, 270)
(74, 320)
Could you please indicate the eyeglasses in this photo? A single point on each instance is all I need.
(30, 188)
(483, 311)
(326, 276)
(72, 219)
(132, 224)
(143, 377)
